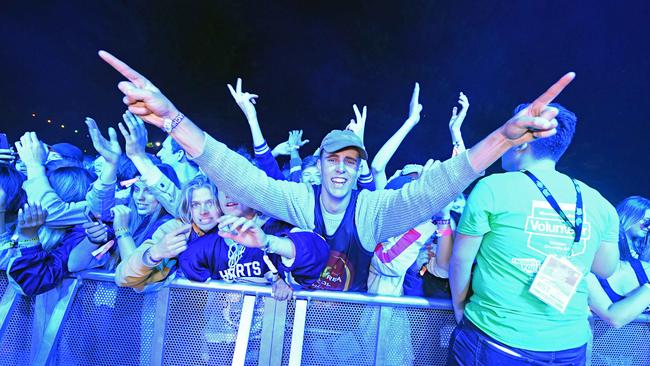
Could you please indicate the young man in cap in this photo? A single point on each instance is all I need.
(353, 222)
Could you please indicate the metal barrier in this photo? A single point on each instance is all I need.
(93, 322)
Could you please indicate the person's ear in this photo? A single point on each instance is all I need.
(180, 154)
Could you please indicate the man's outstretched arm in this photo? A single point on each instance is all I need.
(231, 172)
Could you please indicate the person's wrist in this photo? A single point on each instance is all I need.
(154, 255)
(267, 244)
(121, 232)
(35, 169)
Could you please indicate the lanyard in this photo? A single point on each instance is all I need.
(577, 227)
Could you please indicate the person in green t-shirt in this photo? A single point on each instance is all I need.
(510, 228)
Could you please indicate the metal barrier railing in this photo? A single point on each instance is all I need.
(90, 321)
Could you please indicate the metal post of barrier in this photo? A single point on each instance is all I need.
(244, 330)
(275, 316)
(159, 327)
(298, 334)
(59, 315)
(383, 322)
(7, 306)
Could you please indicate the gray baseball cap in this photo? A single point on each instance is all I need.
(339, 140)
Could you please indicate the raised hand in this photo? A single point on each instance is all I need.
(295, 140)
(414, 107)
(245, 101)
(30, 218)
(135, 137)
(457, 118)
(109, 149)
(121, 217)
(172, 244)
(537, 120)
(7, 156)
(32, 151)
(143, 98)
(241, 230)
(358, 125)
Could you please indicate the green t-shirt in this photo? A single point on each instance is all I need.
(519, 230)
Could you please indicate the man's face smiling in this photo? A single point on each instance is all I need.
(339, 171)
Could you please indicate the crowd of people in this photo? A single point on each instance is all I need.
(522, 258)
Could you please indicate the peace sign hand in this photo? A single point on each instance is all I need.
(143, 98)
(537, 120)
(358, 125)
(246, 101)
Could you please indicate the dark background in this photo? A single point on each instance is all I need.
(310, 61)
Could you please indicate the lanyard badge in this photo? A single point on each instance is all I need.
(557, 279)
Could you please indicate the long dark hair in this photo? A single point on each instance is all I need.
(630, 211)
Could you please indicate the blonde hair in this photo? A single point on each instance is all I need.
(185, 209)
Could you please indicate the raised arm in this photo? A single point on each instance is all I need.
(287, 201)
(135, 135)
(61, 214)
(455, 123)
(534, 122)
(387, 151)
(101, 197)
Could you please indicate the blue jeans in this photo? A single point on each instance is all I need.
(470, 346)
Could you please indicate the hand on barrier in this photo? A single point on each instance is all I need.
(281, 291)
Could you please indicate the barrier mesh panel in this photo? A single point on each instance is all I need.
(340, 334)
(16, 343)
(629, 345)
(430, 333)
(108, 326)
(202, 328)
(3, 283)
(288, 329)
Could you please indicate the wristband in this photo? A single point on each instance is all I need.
(122, 234)
(170, 124)
(21, 242)
(148, 260)
(441, 221)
